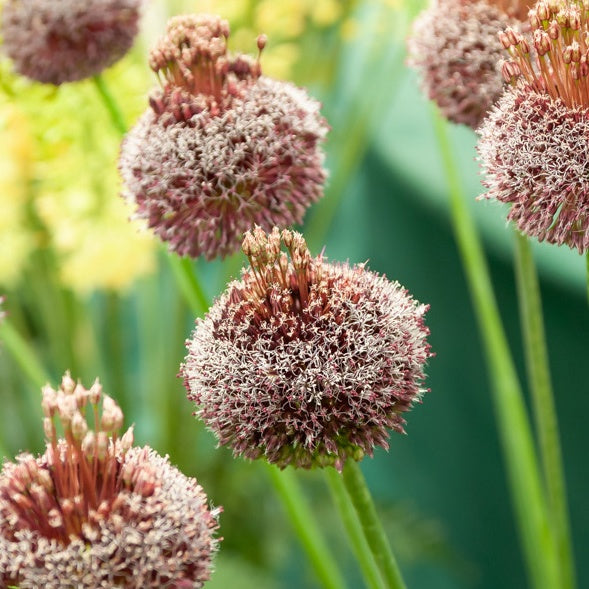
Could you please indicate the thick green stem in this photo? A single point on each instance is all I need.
(23, 355)
(111, 104)
(515, 433)
(305, 525)
(543, 403)
(354, 530)
(373, 531)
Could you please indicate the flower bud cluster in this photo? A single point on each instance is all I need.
(553, 57)
(96, 511)
(221, 148)
(195, 69)
(304, 362)
(530, 146)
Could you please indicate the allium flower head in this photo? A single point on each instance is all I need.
(533, 146)
(57, 41)
(95, 512)
(306, 362)
(454, 46)
(221, 148)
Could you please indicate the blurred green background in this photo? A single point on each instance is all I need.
(94, 294)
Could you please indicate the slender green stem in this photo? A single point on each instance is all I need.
(373, 531)
(353, 527)
(23, 355)
(188, 283)
(116, 352)
(305, 525)
(515, 433)
(543, 403)
(111, 104)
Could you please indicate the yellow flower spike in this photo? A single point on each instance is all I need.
(325, 12)
(285, 19)
(15, 156)
(278, 61)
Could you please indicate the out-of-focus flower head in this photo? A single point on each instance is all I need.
(305, 362)
(95, 512)
(45, 199)
(57, 41)
(17, 239)
(221, 148)
(286, 23)
(454, 45)
(533, 145)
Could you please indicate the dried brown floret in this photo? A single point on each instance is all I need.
(305, 362)
(95, 512)
(533, 146)
(222, 148)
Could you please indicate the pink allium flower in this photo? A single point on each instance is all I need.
(454, 46)
(57, 41)
(221, 148)
(305, 362)
(95, 512)
(533, 146)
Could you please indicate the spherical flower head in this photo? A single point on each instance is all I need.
(221, 148)
(57, 41)
(95, 512)
(305, 362)
(454, 46)
(533, 146)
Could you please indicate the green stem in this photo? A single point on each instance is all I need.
(360, 546)
(305, 525)
(514, 428)
(189, 284)
(543, 402)
(373, 531)
(111, 105)
(24, 355)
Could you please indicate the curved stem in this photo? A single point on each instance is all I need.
(305, 525)
(111, 105)
(188, 283)
(515, 432)
(543, 402)
(24, 355)
(360, 546)
(373, 531)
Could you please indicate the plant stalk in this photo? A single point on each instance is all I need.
(373, 531)
(546, 419)
(523, 473)
(362, 551)
(116, 114)
(305, 525)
